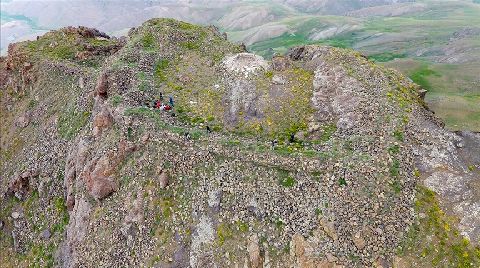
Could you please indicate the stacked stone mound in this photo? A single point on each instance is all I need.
(135, 186)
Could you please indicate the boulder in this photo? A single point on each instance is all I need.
(145, 138)
(329, 228)
(83, 55)
(297, 250)
(16, 215)
(22, 121)
(280, 63)
(399, 262)
(164, 180)
(70, 202)
(81, 82)
(98, 176)
(254, 252)
(331, 258)
(27, 65)
(101, 89)
(358, 240)
(19, 185)
(422, 93)
(302, 257)
(102, 121)
(380, 263)
(46, 234)
(279, 80)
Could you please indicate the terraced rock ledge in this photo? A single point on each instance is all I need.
(361, 174)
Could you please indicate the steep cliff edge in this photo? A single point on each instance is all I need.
(318, 158)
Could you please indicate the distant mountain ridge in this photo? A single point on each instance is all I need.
(333, 7)
(116, 15)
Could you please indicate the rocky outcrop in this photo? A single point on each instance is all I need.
(98, 173)
(301, 255)
(85, 32)
(19, 186)
(245, 64)
(280, 63)
(449, 164)
(358, 240)
(333, 87)
(201, 239)
(243, 96)
(135, 215)
(101, 121)
(67, 255)
(159, 189)
(74, 165)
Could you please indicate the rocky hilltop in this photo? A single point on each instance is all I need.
(317, 158)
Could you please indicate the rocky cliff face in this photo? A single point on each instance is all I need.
(318, 158)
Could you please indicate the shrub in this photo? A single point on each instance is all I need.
(148, 40)
(395, 168)
(71, 122)
(398, 135)
(287, 182)
(395, 149)
(160, 70)
(116, 100)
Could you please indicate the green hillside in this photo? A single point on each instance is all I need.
(442, 36)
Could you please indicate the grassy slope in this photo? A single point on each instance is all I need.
(453, 88)
(453, 94)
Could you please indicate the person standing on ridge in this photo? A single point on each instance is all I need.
(171, 101)
(274, 143)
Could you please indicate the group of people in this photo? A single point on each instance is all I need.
(168, 106)
(159, 104)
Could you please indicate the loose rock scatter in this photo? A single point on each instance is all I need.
(316, 158)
